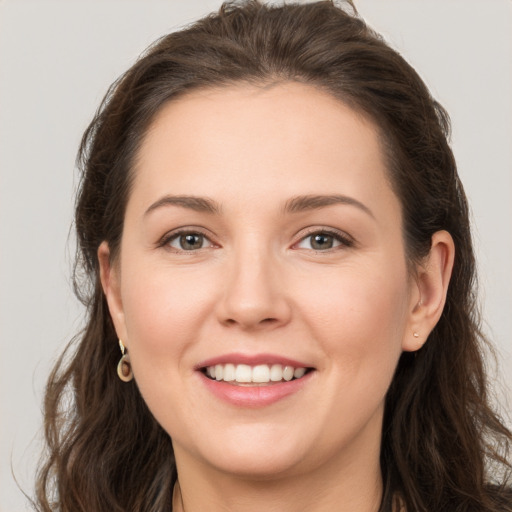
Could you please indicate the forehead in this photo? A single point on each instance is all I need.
(250, 142)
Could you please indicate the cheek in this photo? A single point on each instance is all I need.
(359, 315)
(164, 311)
(359, 320)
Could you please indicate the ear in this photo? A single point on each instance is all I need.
(110, 282)
(429, 291)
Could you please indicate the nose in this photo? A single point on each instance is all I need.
(254, 292)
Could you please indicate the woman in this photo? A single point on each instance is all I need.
(277, 260)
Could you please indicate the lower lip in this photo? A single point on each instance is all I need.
(254, 396)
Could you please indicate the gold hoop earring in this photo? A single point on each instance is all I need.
(124, 367)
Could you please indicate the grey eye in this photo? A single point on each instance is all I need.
(188, 241)
(320, 241)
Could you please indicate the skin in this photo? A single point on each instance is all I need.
(257, 285)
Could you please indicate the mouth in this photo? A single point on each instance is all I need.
(254, 381)
(254, 375)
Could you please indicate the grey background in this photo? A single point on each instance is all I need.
(57, 59)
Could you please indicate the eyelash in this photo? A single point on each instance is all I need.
(342, 238)
(345, 240)
(168, 238)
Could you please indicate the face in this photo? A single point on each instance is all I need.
(262, 243)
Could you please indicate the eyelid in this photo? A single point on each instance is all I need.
(344, 238)
(163, 242)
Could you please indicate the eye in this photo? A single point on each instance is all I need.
(187, 241)
(324, 240)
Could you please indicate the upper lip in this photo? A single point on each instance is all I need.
(251, 360)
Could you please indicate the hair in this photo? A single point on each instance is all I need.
(443, 446)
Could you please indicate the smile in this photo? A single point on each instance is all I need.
(254, 381)
(261, 374)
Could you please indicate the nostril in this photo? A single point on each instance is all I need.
(264, 321)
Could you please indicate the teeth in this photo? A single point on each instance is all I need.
(260, 374)
(299, 372)
(288, 372)
(243, 373)
(229, 373)
(276, 373)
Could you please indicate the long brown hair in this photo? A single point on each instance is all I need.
(443, 447)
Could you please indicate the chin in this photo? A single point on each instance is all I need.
(255, 454)
(258, 468)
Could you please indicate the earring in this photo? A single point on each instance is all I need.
(415, 334)
(124, 368)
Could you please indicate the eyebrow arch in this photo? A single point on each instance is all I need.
(312, 202)
(198, 204)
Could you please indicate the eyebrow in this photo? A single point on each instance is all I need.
(313, 202)
(296, 204)
(198, 204)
